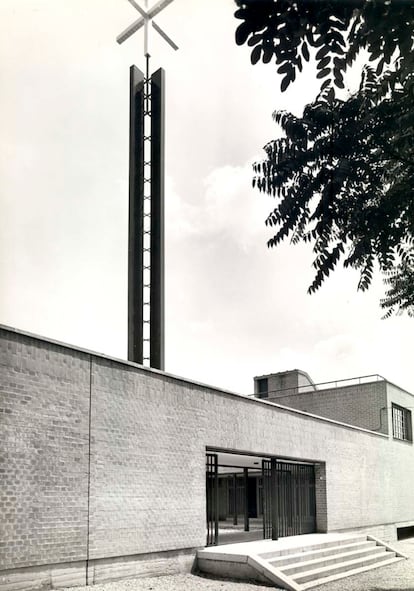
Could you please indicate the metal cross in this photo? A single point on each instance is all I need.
(147, 18)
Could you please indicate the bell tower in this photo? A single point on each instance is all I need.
(146, 340)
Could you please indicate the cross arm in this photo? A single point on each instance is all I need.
(160, 5)
(138, 7)
(164, 35)
(145, 18)
(126, 34)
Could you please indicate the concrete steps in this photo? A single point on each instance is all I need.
(348, 573)
(331, 552)
(300, 562)
(330, 561)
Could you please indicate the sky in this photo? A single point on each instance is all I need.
(234, 308)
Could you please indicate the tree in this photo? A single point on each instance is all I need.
(343, 175)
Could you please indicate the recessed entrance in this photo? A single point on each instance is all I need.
(254, 497)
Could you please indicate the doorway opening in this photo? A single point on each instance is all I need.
(253, 497)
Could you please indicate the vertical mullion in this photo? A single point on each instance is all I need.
(246, 499)
(216, 501)
(212, 499)
(208, 500)
(266, 498)
(235, 499)
(275, 498)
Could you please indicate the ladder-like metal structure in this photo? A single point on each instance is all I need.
(146, 286)
(146, 219)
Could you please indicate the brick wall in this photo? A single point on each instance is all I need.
(320, 498)
(44, 401)
(147, 463)
(148, 438)
(364, 405)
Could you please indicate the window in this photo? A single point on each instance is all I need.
(401, 423)
(262, 388)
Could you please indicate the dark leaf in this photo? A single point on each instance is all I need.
(242, 32)
(285, 83)
(323, 63)
(305, 51)
(322, 52)
(286, 67)
(254, 40)
(323, 73)
(255, 55)
(267, 55)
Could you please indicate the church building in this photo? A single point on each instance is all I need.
(111, 469)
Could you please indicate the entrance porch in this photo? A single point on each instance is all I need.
(298, 563)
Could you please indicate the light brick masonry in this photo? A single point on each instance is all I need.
(103, 464)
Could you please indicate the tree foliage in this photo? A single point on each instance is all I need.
(343, 175)
(399, 294)
(337, 29)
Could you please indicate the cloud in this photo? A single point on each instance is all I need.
(229, 208)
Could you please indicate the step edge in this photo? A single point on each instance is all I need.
(364, 543)
(373, 551)
(318, 546)
(338, 565)
(343, 575)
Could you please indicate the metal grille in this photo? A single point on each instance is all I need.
(296, 499)
(289, 503)
(266, 498)
(212, 499)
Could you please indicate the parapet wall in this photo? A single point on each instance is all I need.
(364, 405)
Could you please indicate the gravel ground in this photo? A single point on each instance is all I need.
(399, 576)
(176, 583)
